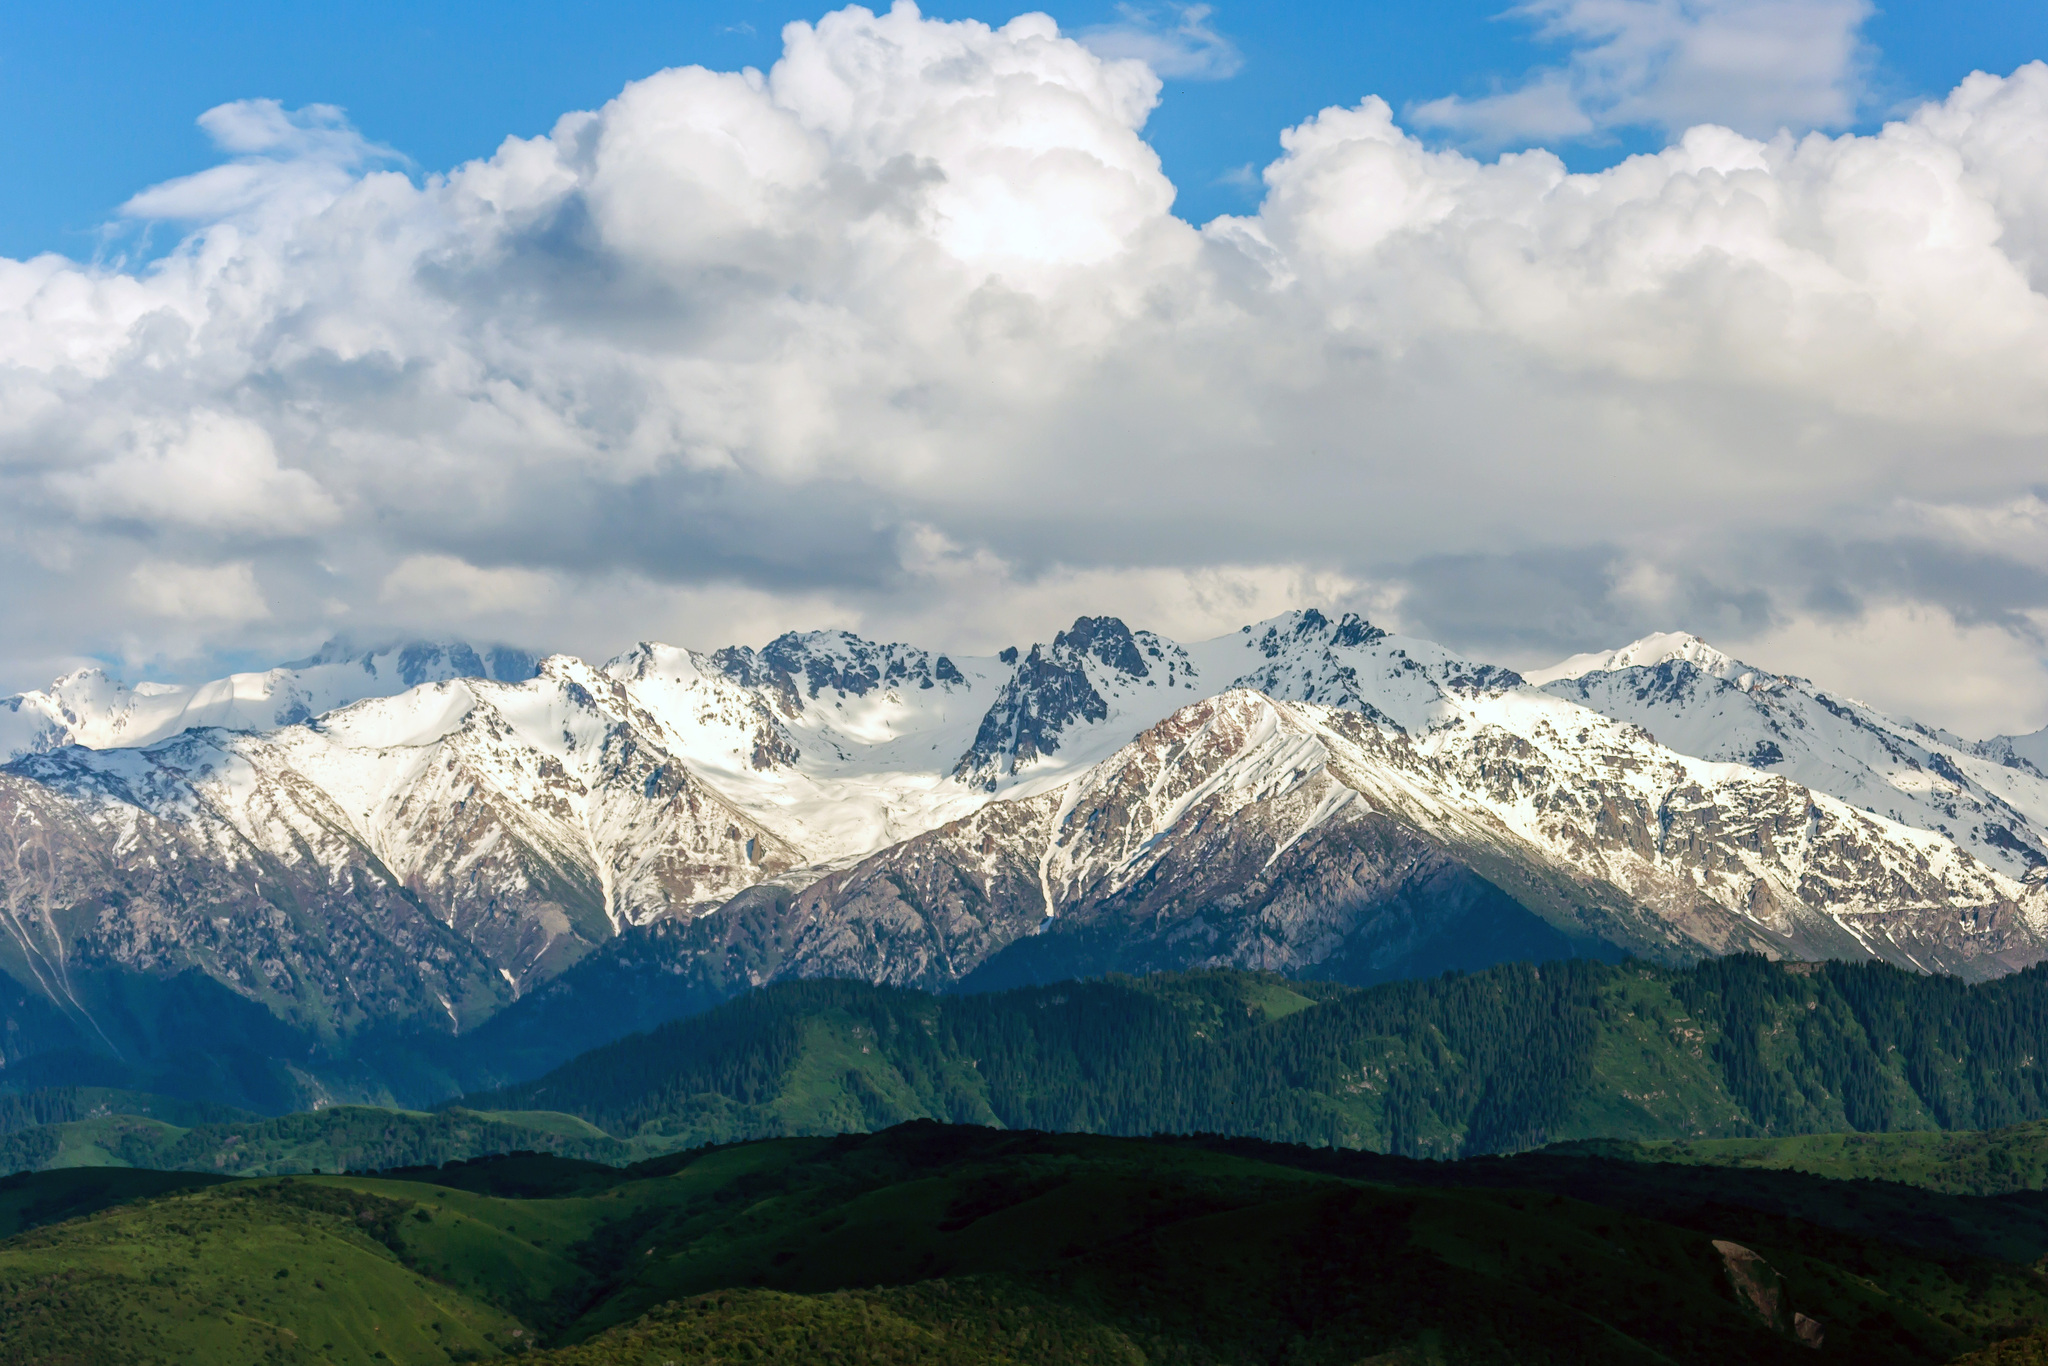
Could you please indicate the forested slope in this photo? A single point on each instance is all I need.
(1510, 1058)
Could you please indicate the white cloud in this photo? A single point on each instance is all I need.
(2011, 529)
(214, 471)
(1917, 661)
(903, 334)
(188, 592)
(431, 588)
(1177, 41)
(1752, 65)
(303, 156)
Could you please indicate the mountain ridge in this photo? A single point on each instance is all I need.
(1308, 795)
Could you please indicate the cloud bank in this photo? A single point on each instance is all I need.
(903, 334)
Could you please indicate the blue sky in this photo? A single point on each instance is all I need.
(101, 97)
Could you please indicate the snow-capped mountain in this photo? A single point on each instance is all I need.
(1307, 795)
(2017, 751)
(1700, 702)
(1257, 830)
(91, 709)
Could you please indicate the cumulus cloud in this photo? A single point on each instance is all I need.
(1752, 65)
(211, 471)
(902, 334)
(190, 592)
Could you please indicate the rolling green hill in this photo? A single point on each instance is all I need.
(1510, 1058)
(928, 1243)
(1967, 1162)
(342, 1138)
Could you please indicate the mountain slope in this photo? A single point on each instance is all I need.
(1244, 831)
(89, 708)
(403, 858)
(1701, 702)
(1510, 1058)
(1308, 795)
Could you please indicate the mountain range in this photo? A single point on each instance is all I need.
(409, 871)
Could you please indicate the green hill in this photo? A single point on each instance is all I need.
(1507, 1059)
(1510, 1058)
(928, 1243)
(341, 1138)
(1968, 1162)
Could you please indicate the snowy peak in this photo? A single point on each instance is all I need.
(1097, 673)
(421, 661)
(2028, 752)
(1699, 702)
(1646, 653)
(91, 709)
(1399, 682)
(1103, 680)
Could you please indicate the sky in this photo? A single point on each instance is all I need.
(1530, 330)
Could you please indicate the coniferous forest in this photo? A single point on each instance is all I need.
(1510, 1058)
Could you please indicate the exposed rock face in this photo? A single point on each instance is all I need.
(1296, 837)
(1307, 795)
(1057, 688)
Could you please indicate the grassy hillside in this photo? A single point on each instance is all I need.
(341, 1138)
(929, 1243)
(2014, 1158)
(1510, 1058)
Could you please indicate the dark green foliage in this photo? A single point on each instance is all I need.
(32, 1199)
(28, 1151)
(339, 1138)
(979, 1322)
(978, 1247)
(1965, 1053)
(185, 1035)
(62, 1104)
(516, 1175)
(359, 1138)
(1958, 1162)
(1493, 1061)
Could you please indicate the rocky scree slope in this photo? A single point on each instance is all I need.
(1307, 795)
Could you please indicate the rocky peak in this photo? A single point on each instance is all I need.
(1058, 687)
(795, 666)
(1394, 681)
(2028, 753)
(1310, 627)
(1104, 638)
(1700, 702)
